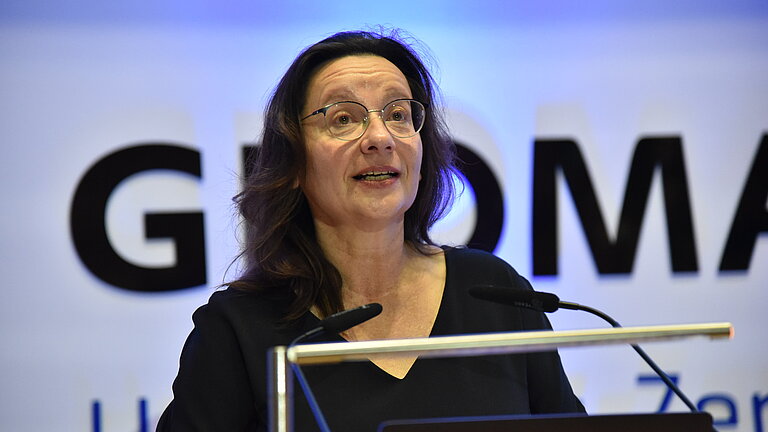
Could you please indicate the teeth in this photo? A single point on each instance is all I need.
(375, 175)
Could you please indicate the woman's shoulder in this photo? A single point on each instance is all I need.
(256, 319)
(474, 267)
(231, 297)
(468, 256)
(465, 252)
(244, 306)
(468, 268)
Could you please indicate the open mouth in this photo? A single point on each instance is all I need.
(376, 176)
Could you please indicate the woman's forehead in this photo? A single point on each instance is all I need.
(352, 77)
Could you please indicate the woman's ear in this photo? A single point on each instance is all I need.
(298, 176)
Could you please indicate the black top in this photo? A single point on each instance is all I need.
(221, 385)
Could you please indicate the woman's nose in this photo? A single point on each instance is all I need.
(376, 137)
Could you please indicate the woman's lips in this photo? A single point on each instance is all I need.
(376, 175)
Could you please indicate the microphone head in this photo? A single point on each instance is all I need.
(346, 319)
(539, 301)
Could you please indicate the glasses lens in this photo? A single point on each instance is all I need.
(404, 118)
(346, 120)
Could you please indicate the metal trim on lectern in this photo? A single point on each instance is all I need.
(280, 397)
(667, 422)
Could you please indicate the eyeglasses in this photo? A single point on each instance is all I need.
(348, 120)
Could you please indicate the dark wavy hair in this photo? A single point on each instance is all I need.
(280, 249)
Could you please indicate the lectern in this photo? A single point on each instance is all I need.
(280, 378)
(672, 422)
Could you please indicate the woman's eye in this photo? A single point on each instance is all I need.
(398, 116)
(342, 119)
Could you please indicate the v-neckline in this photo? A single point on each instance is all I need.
(436, 324)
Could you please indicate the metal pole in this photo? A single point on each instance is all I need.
(498, 343)
(280, 383)
(279, 391)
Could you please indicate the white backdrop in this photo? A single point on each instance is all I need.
(80, 80)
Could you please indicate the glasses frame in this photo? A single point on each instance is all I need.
(366, 120)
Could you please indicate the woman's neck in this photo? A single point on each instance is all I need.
(373, 264)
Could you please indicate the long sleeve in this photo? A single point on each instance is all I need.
(549, 390)
(212, 391)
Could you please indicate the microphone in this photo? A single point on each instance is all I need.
(547, 302)
(333, 324)
(539, 301)
(341, 321)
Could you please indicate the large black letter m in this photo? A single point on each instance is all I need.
(615, 256)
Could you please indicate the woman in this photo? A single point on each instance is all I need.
(354, 168)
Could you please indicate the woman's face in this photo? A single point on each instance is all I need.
(372, 180)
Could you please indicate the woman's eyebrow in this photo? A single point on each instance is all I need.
(338, 95)
(398, 93)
